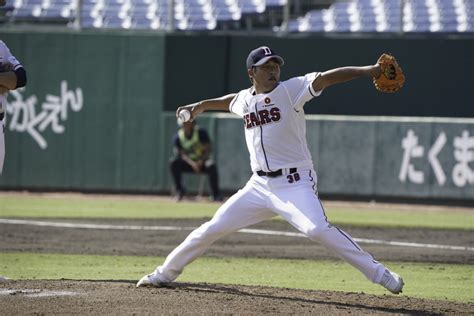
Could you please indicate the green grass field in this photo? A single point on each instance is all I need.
(108, 207)
(432, 281)
(447, 282)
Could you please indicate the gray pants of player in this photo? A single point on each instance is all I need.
(262, 198)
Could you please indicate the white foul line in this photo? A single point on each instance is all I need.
(362, 240)
(90, 226)
(245, 230)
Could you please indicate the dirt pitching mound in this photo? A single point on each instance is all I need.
(122, 297)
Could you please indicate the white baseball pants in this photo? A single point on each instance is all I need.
(2, 144)
(262, 198)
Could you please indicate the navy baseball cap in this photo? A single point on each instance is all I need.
(261, 55)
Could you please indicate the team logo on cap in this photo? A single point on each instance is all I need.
(267, 50)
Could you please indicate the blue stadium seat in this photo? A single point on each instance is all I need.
(23, 12)
(223, 11)
(368, 26)
(87, 21)
(52, 13)
(141, 23)
(112, 22)
(345, 16)
(470, 27)
(341, 18)
(223, 14)
(450, 27)
(138, 12)
(275, 3)
(315, 16)
(199, 24)
(293, 26)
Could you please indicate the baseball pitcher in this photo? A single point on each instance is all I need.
(283, 181)
(12, 76)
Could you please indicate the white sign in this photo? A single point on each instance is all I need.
(462, 174)
(25, 117)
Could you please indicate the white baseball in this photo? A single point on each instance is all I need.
(184, 115)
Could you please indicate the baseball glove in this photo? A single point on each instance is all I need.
(392, 77)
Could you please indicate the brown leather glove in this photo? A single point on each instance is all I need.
(392, 77)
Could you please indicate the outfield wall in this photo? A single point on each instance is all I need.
(353, 156)
(365, 156)
(93, 115)
(89, 116)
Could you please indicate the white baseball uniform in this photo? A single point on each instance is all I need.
(6, 57)
(275, 134)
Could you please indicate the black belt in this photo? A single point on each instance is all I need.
(274, 174)
(2, 115)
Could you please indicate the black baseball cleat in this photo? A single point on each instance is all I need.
(179, 195)
(217, 198)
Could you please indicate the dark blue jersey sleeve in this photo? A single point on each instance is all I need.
(203, 136)
(176, 142)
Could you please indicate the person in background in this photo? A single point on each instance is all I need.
(192, 149)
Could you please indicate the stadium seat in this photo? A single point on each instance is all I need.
(250, 7)
(23, 13)
(112, 21)
(341, 16)
(275, 3)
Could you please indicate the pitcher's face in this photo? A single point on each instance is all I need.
(266, 76)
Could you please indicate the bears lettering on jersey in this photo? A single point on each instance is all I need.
(262, 117)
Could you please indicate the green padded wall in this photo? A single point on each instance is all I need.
(90, 114)
(98, 113)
